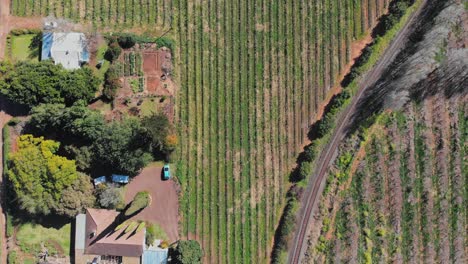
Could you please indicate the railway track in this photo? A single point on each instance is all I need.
(317, 182)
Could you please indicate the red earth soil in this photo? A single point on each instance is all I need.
(164, 207)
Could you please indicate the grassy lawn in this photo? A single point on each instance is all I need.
(158, 231)
(20, 48)
(100, 56)
(149, 106)
(30, 236)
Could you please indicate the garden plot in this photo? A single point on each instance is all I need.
(147, 86)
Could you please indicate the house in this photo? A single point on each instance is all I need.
(68, 49)
(98, 242)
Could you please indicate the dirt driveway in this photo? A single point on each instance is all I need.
(164, 208)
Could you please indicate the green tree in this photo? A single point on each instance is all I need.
(80, 84)
(32, 83)
(77, 197)
(126, 41)
(165, 42)
(110, 197)
(188, 252)
(140, 201)
(159, 129)
(305, 169)
(38, 176)
(122, 147)
(77, 124)
(112, 82)
(113, 51)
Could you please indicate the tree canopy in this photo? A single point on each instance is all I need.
(77, 124)
(32, 83)
(113, 51)
(159, 130)
(119, 146)
(38, 176)
(110, 197)
(126, 41)
(188, 251)
(77, 197)
(122, 147)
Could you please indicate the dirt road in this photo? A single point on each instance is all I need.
(317, 181)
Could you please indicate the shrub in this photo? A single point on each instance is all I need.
(126, 41)
(140, 201)
(113, 51)
(325, 124)
(188, 252)
(310, 151)
(153, 232)
(12, 259)
(10, 228)
(286, 226)
(110, 197)
(305, 169)
(14, 121)
(165, 42)
(19, 32)
(111, 83)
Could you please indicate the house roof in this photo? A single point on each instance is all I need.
(110, 242)
(68, 49)
(80, 240)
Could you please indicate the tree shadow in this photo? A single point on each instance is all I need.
(35, 47)
(12, 108)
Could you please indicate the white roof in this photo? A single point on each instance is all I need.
(68, 48)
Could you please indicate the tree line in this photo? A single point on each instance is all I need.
(64, 141)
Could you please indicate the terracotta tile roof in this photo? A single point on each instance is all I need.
(107, 241)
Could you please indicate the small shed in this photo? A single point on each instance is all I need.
(99, 180)
(120, 178)
(155, 255)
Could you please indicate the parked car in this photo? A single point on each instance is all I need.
(166, 172)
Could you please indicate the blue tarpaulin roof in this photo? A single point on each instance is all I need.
(120, 178)
(47, 40)
(99, 180)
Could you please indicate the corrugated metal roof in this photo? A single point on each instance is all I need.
(100, 180)
(47, 40)
(120, 178)
(155, 256)
(68, 49)
(80, 231)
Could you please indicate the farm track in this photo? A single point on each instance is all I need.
(316, 183)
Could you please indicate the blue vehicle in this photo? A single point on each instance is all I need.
(166, 172)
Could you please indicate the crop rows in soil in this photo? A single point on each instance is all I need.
(405, 202)
(252, 75)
